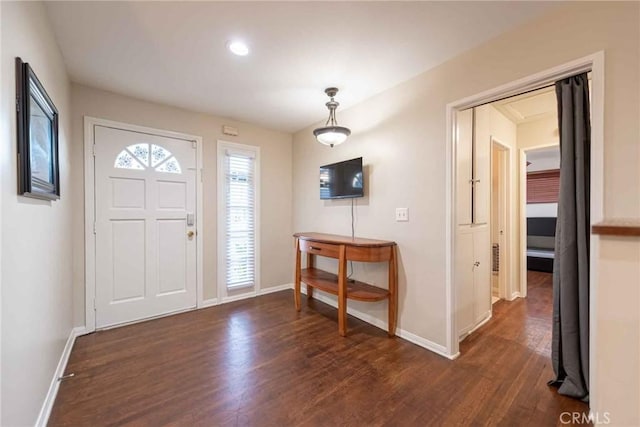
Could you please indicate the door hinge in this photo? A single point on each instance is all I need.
(17, 104)
(94, 150)
(94, 304)
(94, 228)
(194, 144)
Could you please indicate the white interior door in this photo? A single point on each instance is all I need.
(464, 258)
(464, 148)
(482, 275)
(481, 165)
(145, 206)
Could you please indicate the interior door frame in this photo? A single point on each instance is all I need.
(505, 275)
(594, 63)
(90, 215)
(522, 174)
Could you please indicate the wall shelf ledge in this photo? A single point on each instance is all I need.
(617, 227)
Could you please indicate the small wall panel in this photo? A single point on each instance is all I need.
(172, 255)
(128, 245)
(172, 195)
(127, 193)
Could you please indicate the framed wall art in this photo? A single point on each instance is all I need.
(38, 168)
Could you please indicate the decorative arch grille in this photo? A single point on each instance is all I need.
(144, 156)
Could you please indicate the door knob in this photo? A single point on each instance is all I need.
(476, 264)
(190, 233)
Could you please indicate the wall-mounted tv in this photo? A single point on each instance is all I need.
(342, 180)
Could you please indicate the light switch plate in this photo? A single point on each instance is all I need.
(402, 214)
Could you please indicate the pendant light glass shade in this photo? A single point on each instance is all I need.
(331, 134)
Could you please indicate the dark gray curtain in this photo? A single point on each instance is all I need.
(570, 347)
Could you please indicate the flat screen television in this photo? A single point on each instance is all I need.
(342, 180)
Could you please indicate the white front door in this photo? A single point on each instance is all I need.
(145, 205)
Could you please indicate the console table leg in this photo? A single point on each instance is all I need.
(393, 292)
(310, 264)
(296, 292)
(342, 292)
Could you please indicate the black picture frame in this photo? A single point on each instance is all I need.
(37, 124)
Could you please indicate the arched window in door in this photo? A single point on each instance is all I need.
(144, 156)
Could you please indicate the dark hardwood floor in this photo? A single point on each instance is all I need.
(258, 362)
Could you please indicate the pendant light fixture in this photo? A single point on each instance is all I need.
(331, 134)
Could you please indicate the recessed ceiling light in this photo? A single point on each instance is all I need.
(239, 48)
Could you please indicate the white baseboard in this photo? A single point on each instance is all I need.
(482, 323)
(81, 330)
(425, 343)
(464, 334)
(406, 335)
(47, 405)
(253, 294)
(273, 289)
(209, 303)
(514, 296)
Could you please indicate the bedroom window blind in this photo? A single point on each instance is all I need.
(240, 219)
(543, 186)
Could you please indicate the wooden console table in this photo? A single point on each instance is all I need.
(344, 248)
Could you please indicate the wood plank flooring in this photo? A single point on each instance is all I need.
(260, 363)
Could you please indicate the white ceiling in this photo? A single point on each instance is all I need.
(175, 52)
(529, 107)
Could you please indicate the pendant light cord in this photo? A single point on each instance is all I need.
(353, 230)
(353, 236)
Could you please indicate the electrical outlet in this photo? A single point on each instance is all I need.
(402, 214)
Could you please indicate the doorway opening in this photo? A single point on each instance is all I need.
(489, 212)
(542, 177)
(516, 281)
(535, 179)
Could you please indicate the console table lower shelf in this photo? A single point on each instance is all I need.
(345, 249)
(328, 282)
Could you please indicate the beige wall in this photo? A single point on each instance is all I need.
(275, 209)
(401, 135)
(36, 248)
(617, 330)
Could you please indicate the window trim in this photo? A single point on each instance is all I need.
(224, 293)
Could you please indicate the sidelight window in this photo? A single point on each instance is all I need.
(239, 208)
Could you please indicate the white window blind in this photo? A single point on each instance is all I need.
(240, 221)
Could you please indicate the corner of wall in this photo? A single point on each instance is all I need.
(33, 229)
